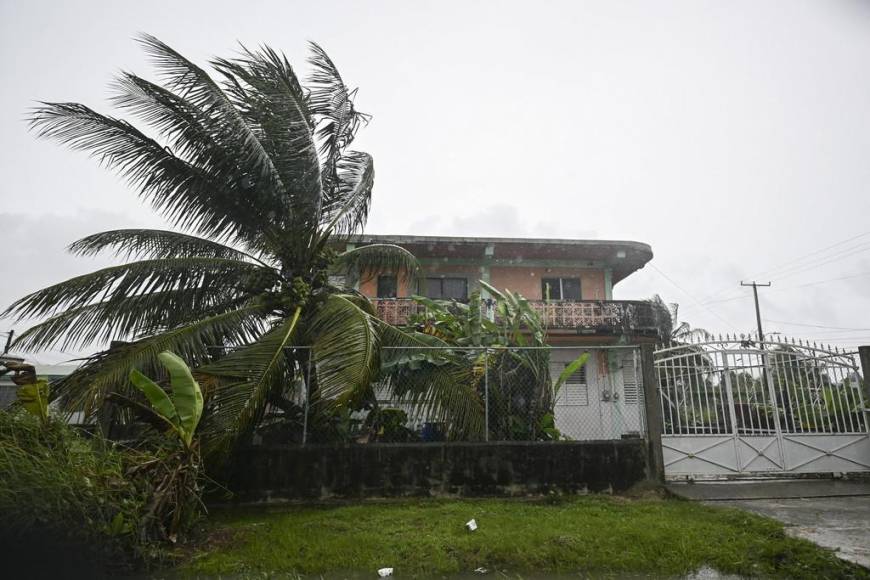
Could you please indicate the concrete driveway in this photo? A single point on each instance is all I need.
(834, 514)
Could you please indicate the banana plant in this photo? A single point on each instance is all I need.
(34, 398)
(182, 408)
(569, 371)
(513, 360)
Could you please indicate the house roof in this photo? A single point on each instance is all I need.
(623, 257)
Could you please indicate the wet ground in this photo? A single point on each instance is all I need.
(834, 514)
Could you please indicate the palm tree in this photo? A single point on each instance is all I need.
(255, 173)
(670, 327)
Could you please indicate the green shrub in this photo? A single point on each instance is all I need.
(65, 500)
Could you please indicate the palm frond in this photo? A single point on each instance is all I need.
(332, 102)
(155, 244)
(206, 141)
(181, 192)
(358, 298)
(85, 389)
(346, 208)
(369, 260)
(243, 380)
(125, 318)
(436, 383)
(446, 394)
(197, 87)
(147, 276)
(264, 88)
(200, 138)
(344, 341)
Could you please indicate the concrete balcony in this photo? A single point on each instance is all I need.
(608, 317)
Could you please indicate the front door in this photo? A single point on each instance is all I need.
(601, 400)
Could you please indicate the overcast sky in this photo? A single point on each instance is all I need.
(733, 137)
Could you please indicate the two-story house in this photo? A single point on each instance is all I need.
(570, 283)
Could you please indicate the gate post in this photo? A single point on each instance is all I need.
(652, 412)
(864, 355)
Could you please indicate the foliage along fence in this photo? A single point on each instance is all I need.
(435, 394)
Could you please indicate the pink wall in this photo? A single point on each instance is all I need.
(527, 281)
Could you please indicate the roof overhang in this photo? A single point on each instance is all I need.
(621, 257)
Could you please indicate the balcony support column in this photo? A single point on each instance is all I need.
(608, 284)
(486, 276)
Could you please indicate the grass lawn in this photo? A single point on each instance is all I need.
(596, 535)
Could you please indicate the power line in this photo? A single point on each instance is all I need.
(814, 325)
(787, 288)
(836, 257)
(732, 299)
(686, 292)
(816, 283)
(813, 253)
(794, 263)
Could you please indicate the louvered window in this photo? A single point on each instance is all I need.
(629, 382)
(575, 390)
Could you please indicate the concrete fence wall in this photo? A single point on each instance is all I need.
(438, 469)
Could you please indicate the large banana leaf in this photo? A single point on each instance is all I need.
(183, 408)
(186, 394)
(160, 401)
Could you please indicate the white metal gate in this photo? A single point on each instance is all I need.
(735, 407)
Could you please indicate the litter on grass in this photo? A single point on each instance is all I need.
(384, 572)
(471, 525)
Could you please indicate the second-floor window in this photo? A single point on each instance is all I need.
(447, 288)
(387, 286)
(560, 288)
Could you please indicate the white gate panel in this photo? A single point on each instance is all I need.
(739, 407)
(759, 454)
(827, 453)
(693, 455)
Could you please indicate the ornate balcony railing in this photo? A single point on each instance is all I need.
(584, 317)
(396, 311)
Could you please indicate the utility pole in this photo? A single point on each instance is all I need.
(755, 286)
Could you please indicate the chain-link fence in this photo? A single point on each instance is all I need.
(437, 394)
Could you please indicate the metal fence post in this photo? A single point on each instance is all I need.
(486, 394)
(864, 355)
(653, 411)
(307, 396)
